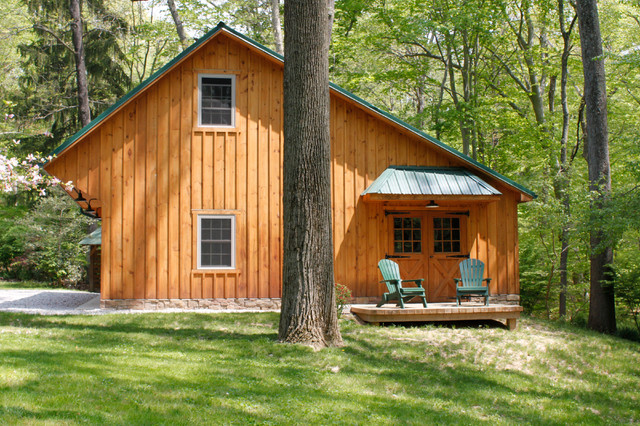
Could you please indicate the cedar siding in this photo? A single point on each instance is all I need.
(152, 170)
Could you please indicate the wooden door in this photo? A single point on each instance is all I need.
(447, 246)
(407, 244)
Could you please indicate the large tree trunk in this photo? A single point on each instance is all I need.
(179, 28)
(563, 179)
(308, 313)
(602, 304)
(275, 25)
(77, 30)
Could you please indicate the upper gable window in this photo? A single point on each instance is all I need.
(217, 100)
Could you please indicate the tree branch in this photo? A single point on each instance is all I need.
(54, 35)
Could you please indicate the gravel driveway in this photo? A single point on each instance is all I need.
(50, 302)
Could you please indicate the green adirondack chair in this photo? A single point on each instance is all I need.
(391, 274)
(470, 281)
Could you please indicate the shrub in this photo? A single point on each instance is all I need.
(53, 229)
(343, 296)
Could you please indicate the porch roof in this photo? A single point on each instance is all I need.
(430, 181)
(93, 239)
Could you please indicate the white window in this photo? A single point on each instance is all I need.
(216, 241)
(216, 100)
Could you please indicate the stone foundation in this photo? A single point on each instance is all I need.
(216, 304)
(255, 303)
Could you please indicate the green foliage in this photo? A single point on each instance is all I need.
(343, 297)
(52, 230)
(628, 288)
(11, 238)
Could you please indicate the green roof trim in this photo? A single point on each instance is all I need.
(275, 55)
(429, 181)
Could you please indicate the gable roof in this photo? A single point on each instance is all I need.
(222, 27)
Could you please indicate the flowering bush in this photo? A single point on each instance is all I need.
(25, 174)
(343, 296)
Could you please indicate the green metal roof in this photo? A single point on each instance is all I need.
(93, 239)
(415, 180)
(223, 27)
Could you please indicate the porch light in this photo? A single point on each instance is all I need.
(432, 205)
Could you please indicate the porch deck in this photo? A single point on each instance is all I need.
(415, 312)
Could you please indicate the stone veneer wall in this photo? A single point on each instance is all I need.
(253, 303)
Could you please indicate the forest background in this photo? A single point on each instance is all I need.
(500, 80)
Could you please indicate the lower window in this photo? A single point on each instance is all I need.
(216, 241)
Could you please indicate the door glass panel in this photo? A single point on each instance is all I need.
(407, 235)
(446, 235)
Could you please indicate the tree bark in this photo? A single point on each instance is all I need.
(601, 304)
(179, 28)
(308, 314)
(77, 31)
(276, 26)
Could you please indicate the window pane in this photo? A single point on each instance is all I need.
(406, 222)
(446, 222)
(417, 247)
(407, 247)
(397, 222)
(397, 247)
(455, 234)
(216, 101)
(437, 223)
(406, 234)
(216, 241)
(397, 235)
(456, 246)
(437, 235)
(437, 247)
(416, 235)
(455, 222)
(416, 222)
(446, 247)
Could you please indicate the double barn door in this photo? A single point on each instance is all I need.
(430, 245)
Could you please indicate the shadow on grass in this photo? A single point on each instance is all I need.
(228, 368)
(450, 324)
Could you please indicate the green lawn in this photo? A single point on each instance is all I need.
(228, 368)
(24, 285)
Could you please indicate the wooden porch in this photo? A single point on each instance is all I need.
(415, 312)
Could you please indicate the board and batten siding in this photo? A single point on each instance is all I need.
(153, 170)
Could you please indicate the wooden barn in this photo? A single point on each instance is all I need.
(185, 172)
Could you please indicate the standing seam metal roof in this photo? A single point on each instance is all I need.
(416, 180)
(223, 27)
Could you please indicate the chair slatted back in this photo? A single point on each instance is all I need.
(471, 272)
(390, 271)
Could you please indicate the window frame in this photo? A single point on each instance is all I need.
(231, 77)
(233, 241)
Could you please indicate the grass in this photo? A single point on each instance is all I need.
(24, 285)
(184, 368)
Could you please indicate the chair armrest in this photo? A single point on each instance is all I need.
(457, 281)
(390, 281)
(488, 280)
(418, 281)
